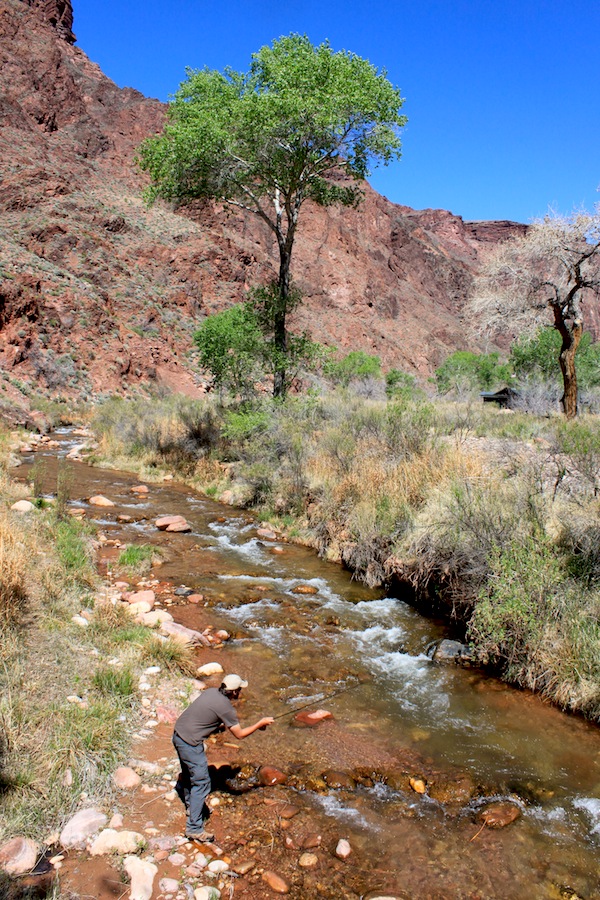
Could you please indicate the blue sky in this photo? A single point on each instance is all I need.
(502, 96)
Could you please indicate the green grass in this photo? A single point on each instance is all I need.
(111, 681)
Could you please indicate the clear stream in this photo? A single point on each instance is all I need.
(299, 648)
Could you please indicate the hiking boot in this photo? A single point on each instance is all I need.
(203, 837)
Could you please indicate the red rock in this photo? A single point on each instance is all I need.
(179, 527)
(269, 775)
(499, 815)
(166, 714)
(266, 534)
(163, 522)
(311, 841)
(310, 719)
(139, 489)
(305, 589)
(195, 598)
(277, 884)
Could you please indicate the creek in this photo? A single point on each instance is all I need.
(401, 712)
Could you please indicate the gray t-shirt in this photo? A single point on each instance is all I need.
(204, 716)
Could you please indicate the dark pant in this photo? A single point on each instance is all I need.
(193, 785)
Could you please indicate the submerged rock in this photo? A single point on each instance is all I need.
(499, 815)
(269, 775)
(310, 719)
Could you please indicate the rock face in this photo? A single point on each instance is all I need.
(99, 293)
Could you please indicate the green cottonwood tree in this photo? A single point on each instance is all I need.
(269, 139)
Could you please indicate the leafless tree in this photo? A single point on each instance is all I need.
(541, 278)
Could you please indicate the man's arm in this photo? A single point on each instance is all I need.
(241, 733)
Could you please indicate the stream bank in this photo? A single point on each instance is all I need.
(470, 740)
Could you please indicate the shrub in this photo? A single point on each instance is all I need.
(355, 366)
(467, 371)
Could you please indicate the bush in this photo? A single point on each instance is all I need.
(465, 371)
(355, 366)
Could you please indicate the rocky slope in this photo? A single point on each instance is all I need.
(100, 294)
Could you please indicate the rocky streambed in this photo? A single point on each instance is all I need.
(424, 780)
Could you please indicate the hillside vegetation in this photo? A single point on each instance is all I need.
(486, 516)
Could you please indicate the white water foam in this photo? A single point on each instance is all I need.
(591, 806)
(333, 807)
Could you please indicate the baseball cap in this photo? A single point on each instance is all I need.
(233, 682)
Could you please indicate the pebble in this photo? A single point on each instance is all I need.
(168, 885)
(276, 882)
(217, 866)
(176, 859)
(343, 849)
(308, 860)
(207, 893)
(126, 778)
(418, 785)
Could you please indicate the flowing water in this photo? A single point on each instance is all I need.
(395, 708)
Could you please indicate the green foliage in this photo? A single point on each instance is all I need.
(299, 113)
(465, 370)
(509, 619)
(172, 655)
(400, 385)
(240, 426)
(271, 138)
(355, 366)
(579, 441)
(137, 557)
(113, 682)
(537, 356)
(73, 550)
(232, 348)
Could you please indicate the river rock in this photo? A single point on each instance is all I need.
(452, 652)
(277, 884)
(418, 785)
(311, 841)
(156, 617)
(459, 789)
(179, 527)
(163, 522)
(243, 866)
(18, 856)
(217, 866)
(306, 719)
(167, 714)
(269, 775)
(168, 885)
(121, 842)
(142, 874)
(207, 892)
(141, 608)
(267, 534)
(343, 849)
(148, 597)
(139, 489)
(195, 598)
(499, 815)
(213, 668)
(23, 506)
(305, 589)
(99, 500)
(81, 826)
(308, 860)
(338, 780)
(182, 634)
(116, 821)
(125, 778)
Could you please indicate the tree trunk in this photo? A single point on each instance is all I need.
(279, 322)
(570, 342)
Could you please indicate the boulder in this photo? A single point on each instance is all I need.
(208, 669)
(148, 597)
(23, 506)
(99, 500)
(142, 874)
(126, 779)
(139, 489)
(18, 856)
(183, 634)
(305, 589)
(121, 842)
(156, 617)
(337, 780)
(163, 522)
(277, 884)
(81, 826)
(451, 651)
(267, 535)
(179, 527)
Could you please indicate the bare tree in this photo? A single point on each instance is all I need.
(543, 278)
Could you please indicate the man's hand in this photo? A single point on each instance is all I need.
(264, 723)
